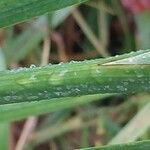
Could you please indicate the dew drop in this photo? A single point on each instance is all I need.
(61, 63)
(32, 77)
(125, 83)
(139, 75)
(75, 73)
(58, 93)
(121, 88)
(130, 60)
(62, 73)
(143, 57)
(98, 71)
(32, 66)
(72, 62)
(77, 90)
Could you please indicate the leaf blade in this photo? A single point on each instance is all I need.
(142, 145)
(15, 11)
(14, 112)
(72, 79)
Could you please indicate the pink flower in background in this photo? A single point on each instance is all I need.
(136, 6)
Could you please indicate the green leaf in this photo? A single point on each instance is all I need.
(143, 24)
(15, 11)
(26, 41)
(129, 36)
(59, 16)
(4, 127)
(44, 135)
(77, 78)
(143, 145)
(4, 135)
(133, 130)
(2, 61)
(13, 112)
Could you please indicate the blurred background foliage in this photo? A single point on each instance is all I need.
(98, 28)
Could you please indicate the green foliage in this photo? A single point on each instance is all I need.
(35, 91)
(13, 112)
(15, 11)
(4, 135)
(145, 145)
(75, 79)
(143, 24)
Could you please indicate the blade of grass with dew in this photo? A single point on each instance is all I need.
(142, 145)
(75, 79)
(14, 112)
(15, 11)
(135, 128)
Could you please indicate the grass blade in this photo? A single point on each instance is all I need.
(2, 61)
(15, 11)
(135, 128)
(143, 145)
(13, 112)
(51, 132)
(74, 79)
(4, 126)
(25, 42)
(4, 135)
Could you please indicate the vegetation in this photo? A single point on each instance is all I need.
(69, 79)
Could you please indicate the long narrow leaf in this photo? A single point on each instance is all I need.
(75, 79)
(14, 11)
(26, 41)
(144, 145)
(14, 112)
(135, 128)
(4, 135)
